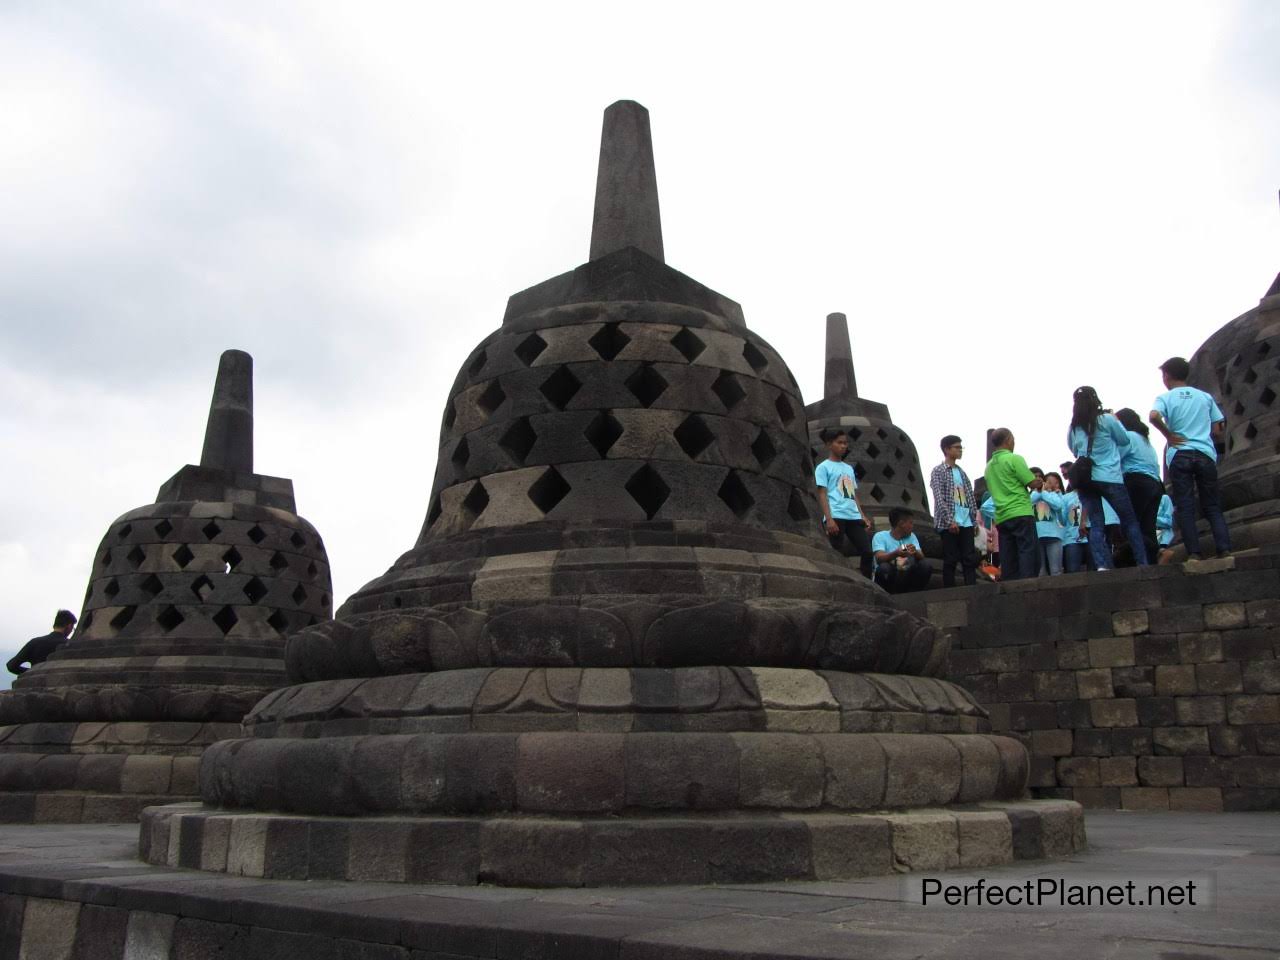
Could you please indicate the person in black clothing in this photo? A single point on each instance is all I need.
(37, 649)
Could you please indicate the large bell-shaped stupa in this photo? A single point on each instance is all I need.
(183, 630)
(621, 650)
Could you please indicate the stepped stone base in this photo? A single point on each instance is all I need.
(587, 851)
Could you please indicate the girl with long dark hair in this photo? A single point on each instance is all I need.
(1140, 465)
(1098, 434)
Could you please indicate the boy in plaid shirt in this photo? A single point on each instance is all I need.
(954, 513)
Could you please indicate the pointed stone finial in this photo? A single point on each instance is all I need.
(228, 438)
(626, 185)
(840, 382)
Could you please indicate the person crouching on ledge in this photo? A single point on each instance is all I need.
(900, 564)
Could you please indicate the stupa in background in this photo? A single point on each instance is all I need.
(183, 630)
(882, 455)
(1240, 366)
(621, 650)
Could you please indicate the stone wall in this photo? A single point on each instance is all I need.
(1154, 688)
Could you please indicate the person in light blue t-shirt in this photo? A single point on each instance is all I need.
(843, 521)
(1190, 419)
(1097, 434)
(1141, 467)
(900, 563)
(1050, 512)
(1164, 528)
(1075, 541)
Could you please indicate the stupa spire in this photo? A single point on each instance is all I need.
(839, 382)
(228, 438)
(626, 213)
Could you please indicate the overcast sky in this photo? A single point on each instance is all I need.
(1007, 199)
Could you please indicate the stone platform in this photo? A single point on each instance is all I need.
(79, 893)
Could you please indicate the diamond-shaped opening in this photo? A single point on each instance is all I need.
(169, 618)
(298, 595)
(163, 529)
(121, 619)
(255, 590)
(450, 415)
(647, 384)
(461, 453)
(491, 398)
(736, 495)
(476, 365)
(1250, 432)
(152, 585)
(202, 587)
(753, 356)
(135, 556)
(603, 432)
(609, 341)
(106, 558)
(796, 508)
(1227, 388)
(1250, 375)
(518, 440)
(232, 559)
(853, 433)
(881, 434)
(902, 437)
(1239, 409)
(1236, 360)
(182, 556)
(312, 569)
(124, 531)
(859, 471)
(210, 530)
(530, 348)
(279, 621)
(433, 514)
(906, 496)
(548, 490)
(728, 390)
(112, 587)
(1267, 397)
(786, 413)
(86, 621)
(911, 476)
(225, 619)
(1263, 350)
(694, 436)
(897, 453)
(873, 451)
(324, 600)
(762, 448)
(279, 561)
(257, 534)
(474, 502)
(889, 472)
(560, 387)
(298, 540)
(648, 489)
(877, 494)
(688, 343)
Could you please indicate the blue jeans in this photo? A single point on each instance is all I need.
(1050, 556)
(1190, 472)
(1118, 497)
(1074, 559)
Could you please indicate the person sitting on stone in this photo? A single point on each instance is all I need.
(37, 649)
(954, 514)
(900, 563)
(843, 518)
(1164, 529)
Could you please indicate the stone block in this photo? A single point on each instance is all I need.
(793, 689)
(1175, 681)
(1200, 771)
(1261, 676)
(1073, 654)
(1157, 711)
(184, 777)
(1125, 623)
(1267, 739)
(1133, 681)
(1257, 771)
(195, 939)
(1180, 741)
(48, 929)
(1094, 684)
(986, 839)
(1219, 677)
(145, 774)
(1254, 643)
(1253, 708)
(1079, 772)
(1188, 618)
(1131, 741)
(532, 852)
(1054, 685)
(1250, 799)
(780, 771)
(1228, 741)
(1155, 649)
(1196, 799)
(1111, 652)
(1263, 613)
(1114, 713)
(377, 850)
(847, 847)
(683, 771)
(570, 772)
(921, 770)
(1097, 798)
(1160, 771)
(1092, 743)
(149, 936)
(925, 841)
(1051, 743)
(1012, 687)
(1199, 647)
(100, 933)
(1144, 798)
(1044, 773)
(1074, 714)
(1225, 616)
(856, 771)
(247, 846)
(1196, 711)
(58, 808)
(1118, 771)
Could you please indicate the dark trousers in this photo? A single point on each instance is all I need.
(853, 541)
(1019, 549)
(1075, 557)
(1191, 472)
(914, 576)
(958, 548)
(1118, 497)
(1145, 493)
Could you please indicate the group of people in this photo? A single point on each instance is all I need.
(1041, 523)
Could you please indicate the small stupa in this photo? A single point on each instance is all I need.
(183, 630)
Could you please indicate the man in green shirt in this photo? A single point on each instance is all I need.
(1007, 480)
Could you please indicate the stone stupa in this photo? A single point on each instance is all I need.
(183, 630)
(1240, 366)
(621, 650)
(881, 453)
